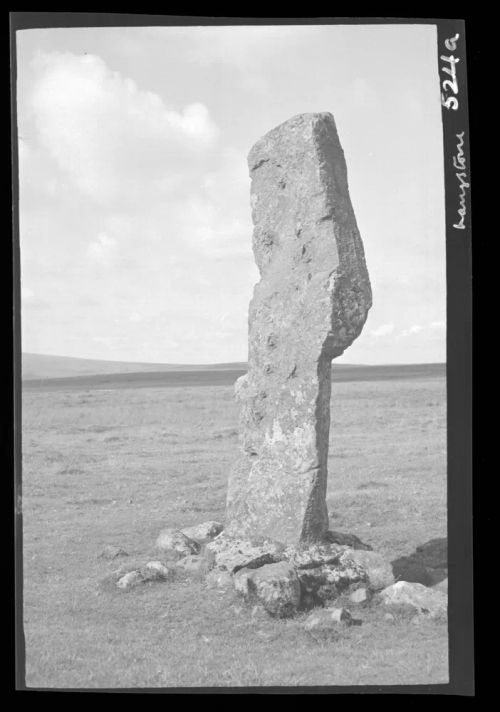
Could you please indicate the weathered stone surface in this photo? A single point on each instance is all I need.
(275, 586)
(310, 304)
(206, 531)
(378, 571)
(326, 618)
(173, 540)
(329, 581)
(234, 554)
(240, 386)
(155, 571)
(346, 539)
(152, 571)
(417, 598)
(360, 595)
(309, 557)
(131, 579)
(111, 552)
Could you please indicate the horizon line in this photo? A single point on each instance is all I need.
(217, 363)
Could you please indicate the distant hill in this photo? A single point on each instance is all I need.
(55, 372)
(38, 366)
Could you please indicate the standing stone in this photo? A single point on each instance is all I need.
(310, 304)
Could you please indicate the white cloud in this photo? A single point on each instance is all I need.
(415, 329)
(434, 327)
(103, 249)
(383, 330)
(105, 133)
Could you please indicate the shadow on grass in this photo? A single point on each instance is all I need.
(427, 565)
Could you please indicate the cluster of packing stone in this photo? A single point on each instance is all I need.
(284, 580)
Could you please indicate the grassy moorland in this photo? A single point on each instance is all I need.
(114, 466)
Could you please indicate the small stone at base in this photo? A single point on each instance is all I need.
(174, 540)
(325, 618)
(359, 595)
(133, 578)
(206, 531)
(155, 571)
(112, 552)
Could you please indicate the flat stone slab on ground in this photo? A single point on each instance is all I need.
(234, 554)
(417, 598)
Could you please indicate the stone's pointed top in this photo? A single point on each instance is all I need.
(309, 118)
(299, 129)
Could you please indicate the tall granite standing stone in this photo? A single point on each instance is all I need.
(310, 304)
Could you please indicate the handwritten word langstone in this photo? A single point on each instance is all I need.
(310, 304)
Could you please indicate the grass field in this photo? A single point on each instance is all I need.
(115, 465)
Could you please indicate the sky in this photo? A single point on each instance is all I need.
(135, 224)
